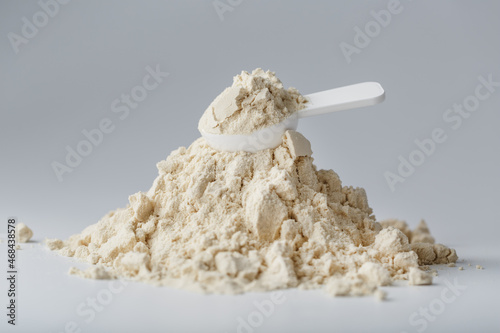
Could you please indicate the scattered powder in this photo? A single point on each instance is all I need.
(479, 267)
(451, 264)
(255, 100)
(23, 233)
(223, 222)
(54, 244)
(460, 268)
(95, 272)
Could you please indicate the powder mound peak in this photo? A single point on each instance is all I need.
(254, 101)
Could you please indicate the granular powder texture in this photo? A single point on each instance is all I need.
(223, 222)
(254, 101)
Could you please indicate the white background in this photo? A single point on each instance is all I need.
(66, 77)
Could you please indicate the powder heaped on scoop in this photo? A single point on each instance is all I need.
(255, 100)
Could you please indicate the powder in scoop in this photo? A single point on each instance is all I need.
(255, 100)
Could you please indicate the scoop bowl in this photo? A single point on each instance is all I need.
(338, 99)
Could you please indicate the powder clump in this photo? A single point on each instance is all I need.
(418, 277)
(255, 100)
(423, 244)
(23, 233)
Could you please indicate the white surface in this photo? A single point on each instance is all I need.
(49, 299)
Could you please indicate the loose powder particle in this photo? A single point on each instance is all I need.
(418, 277)
(54, 244)
(380, 294)
(23, 233)
(95, 272)
(255, 100)
(479, 267)
(460, 268)
(232, 222)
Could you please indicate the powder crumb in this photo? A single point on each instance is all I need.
(469, 264)
(297, 144)
(380, 295)
(54, 244)
(95, 272)
(431, 254)
(255, 100)
(460, 268)
(18, 247)
(350, 287)
(451, 264)
(23, 233)
(479, 267)
(234, 222)
(418, 277)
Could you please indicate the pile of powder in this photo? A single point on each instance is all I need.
(232, 222)
(254, 101)
(235, 222)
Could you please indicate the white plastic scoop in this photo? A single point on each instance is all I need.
(338, 99)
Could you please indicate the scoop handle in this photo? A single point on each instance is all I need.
(343, 98)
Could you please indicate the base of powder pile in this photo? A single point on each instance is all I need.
(221, 222)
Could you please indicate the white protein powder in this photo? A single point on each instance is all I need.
(255, 100)
(224, 222)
